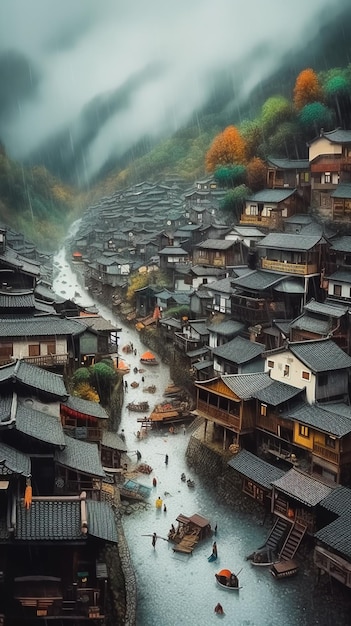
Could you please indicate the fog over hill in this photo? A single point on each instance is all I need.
(85, 81)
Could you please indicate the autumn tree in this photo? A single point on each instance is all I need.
(275, 110)
(256, 172)
(228, 148)
(307, 89)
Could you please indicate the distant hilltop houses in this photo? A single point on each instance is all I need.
(258, 312)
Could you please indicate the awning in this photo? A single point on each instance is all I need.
(290, 286)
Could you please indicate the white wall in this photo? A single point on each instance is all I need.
(285, 359)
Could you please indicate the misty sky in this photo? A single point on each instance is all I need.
(104, 73)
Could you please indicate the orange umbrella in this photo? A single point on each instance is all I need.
(148, 356)
(225, 572)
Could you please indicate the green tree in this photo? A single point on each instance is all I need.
(230, 175)
(275, 110)
(234, 202)
(103, 378)
(315, 116)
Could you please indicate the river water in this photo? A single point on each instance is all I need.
(176, 589)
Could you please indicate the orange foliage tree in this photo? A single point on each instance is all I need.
(256, 173)
(307, 89)
(227, 148)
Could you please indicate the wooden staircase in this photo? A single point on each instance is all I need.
(292, 542)
(280, 530)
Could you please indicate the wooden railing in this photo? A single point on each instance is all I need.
(290, 268)
(225, 418)
(326, 453)
(255, 219)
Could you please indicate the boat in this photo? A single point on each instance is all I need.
(140, 407)
(183, 477)
(134, 384)
(189, 532)
(212, 557)
(132, 490)
(148, 359)
(262, 558)
(190, 483)
(284, 569)
(164, 413)
(228, 580)
(127, 349)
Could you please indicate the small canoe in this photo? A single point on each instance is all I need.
(284, 569)
(148, 359)
(228, 580)
(140, 407)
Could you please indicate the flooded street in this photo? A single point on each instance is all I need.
(178, 589)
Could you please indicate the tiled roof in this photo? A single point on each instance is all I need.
(7, 409)
(87, 407)
(101, 521)
(338, 501)
(257, 280)
(289, 241)
(331, 309)
(226, 328)
(200, 270)
(81, 456)
(199, 327)
(246, 385)
(341, 244)
(16, 299)
(272, 195)
(55, 520)
(257, 470)
(302, 488)
(170, 321)
(338, 135)
(27, 266)
(337, 535)
(247, 231)
(202, 365)
(312, 324)
(341, 276)
(97, 323)
(222, 286)
(43, 325)
(197, 352)
(239, 350)
(34, 377)
(321, 355)
(298, 218)
(173, 251)
(289, 164)
(38, 425)
(202, 294)
(215, 244)
(342, 191)
(112, 440)
(13, 461)
(276, 393)
(321, 419)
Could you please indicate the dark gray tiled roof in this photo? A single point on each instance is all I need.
(331, 309)
(87, 407)
(27, 266)
(321, 419)
(257, 280)
(13, 461)
(215, 244)
(170, 321)
(202, 365)
(55, 520)
(338, 135)
(341, 244)
(247, 231)
(276, 393)
(197, 352)
(81, 456)
(257, 470)
(298, 218)
(222, 286)
(7, 409)
(341, 276)
(302, 488)
(289, 164)
(38, 425)
(289, 241)
(272, 195)
(16, 299)
(112, 440)
(342, 191)
(246, 385)
(312, 324)
(226, 328)
(97, 323)
(239, 350)
(338, 501)
(173, 251)
(337, 535)
(200, 270)
(202, 294)
(321, 355)
(101, 521)
(34, 377)
(43, 325)
(199, 327)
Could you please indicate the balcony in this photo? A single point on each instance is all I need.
(257, 220)
(326, 453)
(301, 269)
(47, 360)
(221, 417)
(255, 310)
(185, 343)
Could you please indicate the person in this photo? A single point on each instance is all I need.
(122, 435)
(135, 351)
(219, 609)
(142, 379)
(154, 481)
(184, 430)
(215, 529)
(214, 549)
(166, 459)
(154, 539)
(125, 385)
(138, 455)
(164, 508)
(158, 503)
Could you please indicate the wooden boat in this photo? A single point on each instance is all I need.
(127, 349)
(190, 531)
(140, 407)
(172, 390)
(134, 384)
(132, 490)
(228, 580)
(262, 558)
(148, 359)
(284, 569)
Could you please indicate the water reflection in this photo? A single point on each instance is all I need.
(177, 589)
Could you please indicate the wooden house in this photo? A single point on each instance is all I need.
(269, 207)
(321, 320)
(170, 256)
(220, 332)
(254, 297)
(289, 174)
(218, 253)
(256, 476)
(221, 291)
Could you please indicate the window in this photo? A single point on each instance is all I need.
(306, 375)
(286, 370)
(303, 430)
(253, 209)
(337, 290)
(329, 441)
(270, 364)
(327, 178)
(34, 350)
(263, 409)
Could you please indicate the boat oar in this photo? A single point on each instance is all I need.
(240, 570)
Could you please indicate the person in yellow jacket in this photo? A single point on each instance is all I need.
(158, 503)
